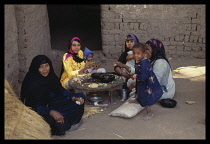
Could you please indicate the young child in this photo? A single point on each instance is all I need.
(94, 68)
(148, 89)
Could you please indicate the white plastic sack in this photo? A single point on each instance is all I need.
(127, 110)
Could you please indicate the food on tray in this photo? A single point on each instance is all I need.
(75, 79)
(87, 82)
(93, 85)
(79, 82)
(102, 84)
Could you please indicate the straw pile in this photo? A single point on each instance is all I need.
(20, 121)
(89, 111)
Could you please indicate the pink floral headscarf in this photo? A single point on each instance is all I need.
(71, 52)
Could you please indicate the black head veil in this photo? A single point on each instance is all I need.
(35, 85)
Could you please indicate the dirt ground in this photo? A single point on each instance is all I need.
(182, 122)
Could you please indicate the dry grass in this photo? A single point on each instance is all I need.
(89, 111)
(20, 121)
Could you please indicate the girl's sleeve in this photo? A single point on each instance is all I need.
(68, 67)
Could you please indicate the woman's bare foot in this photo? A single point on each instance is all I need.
(148, 116)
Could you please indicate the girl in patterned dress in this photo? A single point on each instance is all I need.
(148, 89)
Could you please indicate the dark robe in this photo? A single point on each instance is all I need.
(43, 94)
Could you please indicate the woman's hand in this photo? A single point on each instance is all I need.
(148, 53)
(57, 116)
(79, 99)
(97, 66)
(87, 65)
(118, 70)
(129, 57)
(134, 76)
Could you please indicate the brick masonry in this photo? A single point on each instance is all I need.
(181, 28)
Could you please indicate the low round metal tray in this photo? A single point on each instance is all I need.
(82, 82)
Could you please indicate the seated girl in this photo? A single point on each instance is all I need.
(73, 63)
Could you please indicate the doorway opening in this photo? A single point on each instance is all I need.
(68, 21)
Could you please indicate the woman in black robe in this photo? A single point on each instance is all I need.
(42, 91)
(130, 40)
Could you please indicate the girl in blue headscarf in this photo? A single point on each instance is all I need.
(94, 67)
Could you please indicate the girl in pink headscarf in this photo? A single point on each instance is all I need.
(73, 62)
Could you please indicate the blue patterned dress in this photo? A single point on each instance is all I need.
(148, 88)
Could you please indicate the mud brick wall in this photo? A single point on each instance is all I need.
(11, 63)
(26, 35)
(181, 28)
(33, 34)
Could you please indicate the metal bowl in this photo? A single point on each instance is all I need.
(95, 99)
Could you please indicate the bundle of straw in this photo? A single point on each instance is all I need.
(20, 121)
